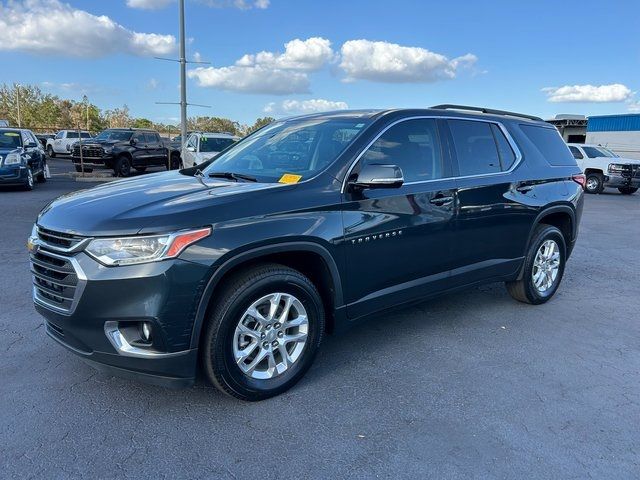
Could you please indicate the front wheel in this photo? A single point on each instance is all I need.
(50, 152)
(175, 163)
(29, 183)
(543, 267)
(263, 333)
(627, 190)
(594, 183)
(123, 167)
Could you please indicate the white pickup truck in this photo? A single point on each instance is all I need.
(61, 144)
(603, 168)
(201, 146)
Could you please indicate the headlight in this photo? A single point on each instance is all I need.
(617, 168)
(142, 249)
(12, 159)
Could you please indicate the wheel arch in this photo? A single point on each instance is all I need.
(590, 170)
(310, 258)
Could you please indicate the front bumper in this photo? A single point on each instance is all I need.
(165, 294)
(621, 181)
(105, 161)
(13, 175)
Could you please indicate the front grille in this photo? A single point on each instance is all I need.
(88, 152)
(58, 240)
(55, 280)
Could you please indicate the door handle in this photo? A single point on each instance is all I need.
(524, 188)
(442, 200)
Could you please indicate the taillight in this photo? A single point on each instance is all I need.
(580, 179)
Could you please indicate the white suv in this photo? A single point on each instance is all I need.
(603, 168)
(200, 147)
(63, 141)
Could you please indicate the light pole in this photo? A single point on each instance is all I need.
(18, 104)
(183, 81)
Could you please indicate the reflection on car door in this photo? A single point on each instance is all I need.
(495, 215)
(398, 242)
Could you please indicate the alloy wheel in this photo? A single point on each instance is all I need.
(546, 266)
(270, 336)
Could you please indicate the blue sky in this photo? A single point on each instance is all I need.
(329, 54)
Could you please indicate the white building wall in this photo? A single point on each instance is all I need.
(625, 144)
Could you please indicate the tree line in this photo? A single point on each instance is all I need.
(30, 107)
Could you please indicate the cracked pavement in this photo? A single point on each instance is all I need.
(472, 385)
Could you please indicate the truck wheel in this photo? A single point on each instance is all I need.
(627, 190)
(595, 183)
(123, 167)
(263, 332)
(50, 152)
(41, 178)
(543, 267)
(176, 162)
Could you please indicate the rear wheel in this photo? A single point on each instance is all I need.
(543, 267)
(123, 167)
(50, 151)
(595, 183)
(263, 333)
(176, 162)
(627, 190)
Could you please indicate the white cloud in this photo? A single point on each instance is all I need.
(615, 92)
(270, 72)
(315, 105)
(256, 79)
(50, 27)
(153, 84)
(197, 57)
(393, 63)
(148, 4)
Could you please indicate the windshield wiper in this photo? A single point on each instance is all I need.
(233, 176)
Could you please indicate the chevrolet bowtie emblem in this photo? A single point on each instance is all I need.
(32, 245)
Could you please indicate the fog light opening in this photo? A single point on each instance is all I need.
(145, 331)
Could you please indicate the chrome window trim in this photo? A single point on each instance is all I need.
(502, 128)
(82, 282)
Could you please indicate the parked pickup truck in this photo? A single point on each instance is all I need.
(63, 141)
(123, 149)
(603, 168)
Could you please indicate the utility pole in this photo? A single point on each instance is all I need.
(183, 81)
(18, 104)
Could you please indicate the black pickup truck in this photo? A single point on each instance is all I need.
(122, 149)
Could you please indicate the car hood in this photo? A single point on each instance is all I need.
(621, 160)
(149, 203)
(5, 151)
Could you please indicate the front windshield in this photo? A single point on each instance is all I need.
(300, 148)
(213, 144)
(9, 139)
(594, 152)
(119, 135)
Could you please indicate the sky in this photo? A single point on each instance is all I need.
(286, 57)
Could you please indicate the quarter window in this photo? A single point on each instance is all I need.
(507, 157)
(412, 145)
(475, 147)
(576, 153)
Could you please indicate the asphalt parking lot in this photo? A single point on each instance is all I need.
(470, 385)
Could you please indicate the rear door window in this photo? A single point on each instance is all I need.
(550, 144)
(475, 147)
(576, 153)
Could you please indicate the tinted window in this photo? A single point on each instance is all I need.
(59, 135)
(192, 141)
(72, 135)
(150, 138)
(119, 135)
(576, 153)
(507, 156)
(140, 137)
(475, 147)
(85, 135)
(593, 152)
(9, 139)
(412, 145)
(210, 144)
(550, 144)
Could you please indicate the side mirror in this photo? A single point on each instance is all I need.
(191, 149)
(133, 141)
(31, 145)
(379, 176)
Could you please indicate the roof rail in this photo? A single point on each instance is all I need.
(447, 106)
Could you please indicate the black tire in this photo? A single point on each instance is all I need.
(237, 295)
(29, 184)
(594, 183)
(123, 167)
(50, 152)
(41, 178)
(176, 163)
(86, 170)
(627, 190)
(524, 290)
(140, 169)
